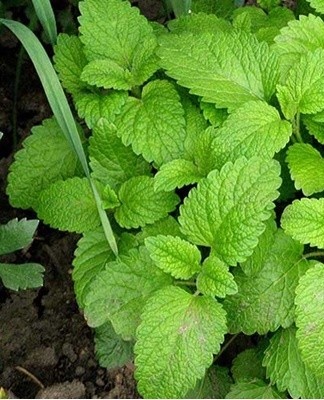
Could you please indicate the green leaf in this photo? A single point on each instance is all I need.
(315, 125)
(306, 167)
(196, 125)
(255, 263)
(192, 329)
(119, 43)
(236, 68)
(215, 278)
(227, 209)
(317, 5)
(141, 205)
(222, 8)
(21, 276)
(90, 259)
(111, 350)
(310, 317)
(265, 300)
(93, 106)
(165, 226)
(216, 116)
(61, 110)
(45, 158)
(176, 174)
(16, 235)
(295, 40)
(303, 91)
(113, 163)
(304, 221)
(247, 366)
(253, 390)
(69, 206)
(109, 198)
(199, 23)
(120, 291)
(69, 61)
(254, 129)
(154, 125)
(286, 369)
(45, 14)
(214, 385)
(173, 255)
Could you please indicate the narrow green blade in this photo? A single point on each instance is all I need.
(46, 17)
(60, 107)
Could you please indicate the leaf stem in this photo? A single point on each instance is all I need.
(314, 254)
(185, 283)
(226, 345)
(296, 128)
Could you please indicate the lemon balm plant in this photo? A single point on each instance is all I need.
(201, 144)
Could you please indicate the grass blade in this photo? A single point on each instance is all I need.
(60, 107)
(46, 17)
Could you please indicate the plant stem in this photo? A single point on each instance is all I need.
(296, 128)
(314, 254)
(226, 345)
(185, 283)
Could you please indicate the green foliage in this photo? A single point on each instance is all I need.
(309, 318)
(193, 328)
(200, 137)
(16, 235)
(286, 369)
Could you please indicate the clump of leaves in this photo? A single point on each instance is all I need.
(16, 235)
(204, 141)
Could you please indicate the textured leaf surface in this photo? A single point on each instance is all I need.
(310, 318)
(265, 300)
(253, 390)
(315, 125)
(215, 384)
(111, 350)
(199, 23)
(176, 327)
(306, 167)
(174, 255)
(318, 5)
(176, 174)
(69, 61)
(295, 40)
(90, 258)
(304, 221)
(45, 158)
(247, 366)
(196, 124)
(255, 129)
(113, 163)
(223, 9)
(115, 34)
(121, 290)
(227, 208)
(255, 263)
(93, 106)
(154, 125)
(216, 116)
(141, 205)
(215, 278)
(236, 68)
(69, 206)
(303, 91)
(165, 226)
(16, 235)
(286, 369)
(21, 276)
